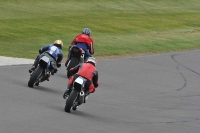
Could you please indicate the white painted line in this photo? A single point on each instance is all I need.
(7, 61)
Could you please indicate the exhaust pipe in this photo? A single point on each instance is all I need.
(81, 97)
(82, 58)
(82, 93)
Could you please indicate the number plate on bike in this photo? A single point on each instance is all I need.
(44, 58)
(79, 80)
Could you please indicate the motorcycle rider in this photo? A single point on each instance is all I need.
(87, 70)
(83, 41)
(54, 50)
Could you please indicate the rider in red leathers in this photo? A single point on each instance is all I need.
(87, 70)
(83, 41)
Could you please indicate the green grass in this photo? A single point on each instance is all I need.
(119, 27)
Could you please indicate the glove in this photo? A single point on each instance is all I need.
(40, 51)
(91, 88)
(53, 71)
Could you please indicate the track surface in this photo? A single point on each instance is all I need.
(147, 94)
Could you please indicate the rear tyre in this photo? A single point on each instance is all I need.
(70, 101)
(72, 63)
(34, 76)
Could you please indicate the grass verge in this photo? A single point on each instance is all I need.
(119, 28)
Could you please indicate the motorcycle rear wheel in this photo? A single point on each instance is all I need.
(71, 100)
(72, 63)
(34, 76)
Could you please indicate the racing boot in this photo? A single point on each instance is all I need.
(48, 76)
(67, 92)
(32, 69)
(35, 64)
(75, 108)
(53, 71)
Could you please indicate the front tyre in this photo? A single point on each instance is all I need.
(34, 76)
(71, 100)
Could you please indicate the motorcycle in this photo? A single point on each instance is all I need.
(43, 71)
(77, 96)
(77, 56)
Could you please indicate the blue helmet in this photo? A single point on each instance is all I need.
(86, 31)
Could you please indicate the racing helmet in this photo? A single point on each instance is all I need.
(58, 43)
(92, 60)
(86, 31)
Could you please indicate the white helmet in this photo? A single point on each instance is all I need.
(92, 60)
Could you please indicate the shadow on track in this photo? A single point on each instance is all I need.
(45, 89)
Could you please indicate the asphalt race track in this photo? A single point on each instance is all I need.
(145, 94)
